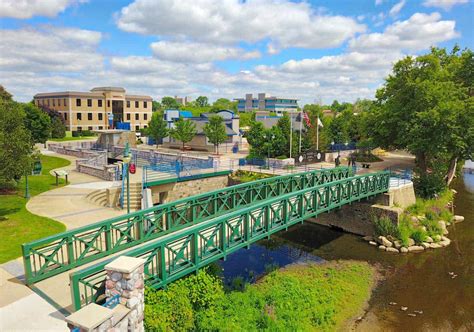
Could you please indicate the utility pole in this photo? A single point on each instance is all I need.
(126, 160)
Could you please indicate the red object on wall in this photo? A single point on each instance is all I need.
(132, 168)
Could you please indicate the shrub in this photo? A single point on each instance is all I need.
(446, 215)
(429, 185)
(432, 227)
(419, 236)
(405, 230)
(418, 208)
(384, 226)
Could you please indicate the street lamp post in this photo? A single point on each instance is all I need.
(126, 161)
(27, 189)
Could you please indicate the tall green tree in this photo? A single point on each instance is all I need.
(37, 122)
(426, 106)
(15, 143)
(156, 106)
(58, 129)
(224, 104)
(202, 101)
(184, 131)
(4, 94)
(169, 103)
(157, 127)
(215, 131)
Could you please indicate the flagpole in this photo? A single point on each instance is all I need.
(301, 129)
(291, 134)
(317, 134)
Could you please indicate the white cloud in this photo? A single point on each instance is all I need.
(419, 32)
(49, 49)
(283, 22)
(198, 52)
(23, 9)
(378, 2)
(395, 10)
(445, 4)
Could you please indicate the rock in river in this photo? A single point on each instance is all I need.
(415, 248)
(458, 218)
(403, 249)
(382, 247)
(390, 249)
(385, 242)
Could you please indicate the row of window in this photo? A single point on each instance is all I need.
(79, 128)
(63, 101)
(90, 116)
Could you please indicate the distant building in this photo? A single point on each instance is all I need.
(269, 121)
(264, 103)
(200, 141)
(183, 101)
(91, 110)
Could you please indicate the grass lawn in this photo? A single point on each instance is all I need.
(66, 139)
(17, 225)
(306, 297)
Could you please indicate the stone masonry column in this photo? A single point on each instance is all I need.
(125, 278)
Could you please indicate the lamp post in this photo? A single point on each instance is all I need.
(268, 150)
(27, 189)
(126, 161)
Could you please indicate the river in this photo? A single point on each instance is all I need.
(421, 281)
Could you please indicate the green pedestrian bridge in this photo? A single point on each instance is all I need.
(180, 237)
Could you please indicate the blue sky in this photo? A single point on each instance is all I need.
(314, 50)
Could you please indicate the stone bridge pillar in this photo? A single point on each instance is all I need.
(124, 308)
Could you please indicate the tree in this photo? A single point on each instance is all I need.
(426, 106)
(157, 127)
(37, 122)
(184, 131)
(4, 94)
(156, 106)
(15, 143)
(58, 129)
(224, 104)
(202, 101)
(169, 103)
(215, 131)
(255, 138)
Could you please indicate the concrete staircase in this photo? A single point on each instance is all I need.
(110, 197)
(98, 197)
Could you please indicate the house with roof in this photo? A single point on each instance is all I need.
(200, 141)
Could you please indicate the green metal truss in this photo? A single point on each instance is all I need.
(62, 252)
(194, 247)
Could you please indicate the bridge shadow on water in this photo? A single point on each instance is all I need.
(285, 248)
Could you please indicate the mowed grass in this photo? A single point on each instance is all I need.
(17, 225)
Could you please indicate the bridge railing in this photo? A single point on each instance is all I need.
(182, 252)
(61, 252)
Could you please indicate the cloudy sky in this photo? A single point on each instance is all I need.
(311, 50)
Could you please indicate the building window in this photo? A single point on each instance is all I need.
(137, 116)
(108, 103)
(89, 128)
(89, 116)
(100, 127)
(100, 116)
(145, 116)
(137, 128)
(145, 105)
(128, 116)
(54, 102)
(79, 128)
(99, 102)
(128, 103)
(48, 102)
(145, 126)
(89, 102)
(65, 116)
(78, 102)
(64, 100)
(79, 116)
(136, 104)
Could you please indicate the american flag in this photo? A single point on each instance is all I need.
(306, 119)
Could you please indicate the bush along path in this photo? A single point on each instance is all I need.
(300, 297)
(17, 224)
(422, 226)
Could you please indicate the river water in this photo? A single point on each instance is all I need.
(421, 282)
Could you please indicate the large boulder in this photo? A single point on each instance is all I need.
(382, 248)
(429, 239)
(457, 218)
(411, 242)
(403, 249)
(385, 242)
(415, 248)
(397, 244)
(442, 225)
(425, 245)
(390, 249)
(435, 245)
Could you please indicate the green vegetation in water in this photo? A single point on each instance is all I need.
(247, 176)
(298, 298)
(428, 213)
(17, 225)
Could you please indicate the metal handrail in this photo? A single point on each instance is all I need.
(61, 252)
(185, 251)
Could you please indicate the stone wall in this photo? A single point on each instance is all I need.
(173, 191)
(74, 151)
(124, 308)
(106, 172)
